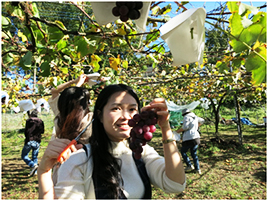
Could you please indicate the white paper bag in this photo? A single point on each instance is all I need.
(26, 105)
(185, 36)
(103, 13)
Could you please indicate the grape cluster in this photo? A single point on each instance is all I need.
(143, 127)
(127, 10)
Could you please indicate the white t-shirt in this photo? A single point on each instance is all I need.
(190, 126)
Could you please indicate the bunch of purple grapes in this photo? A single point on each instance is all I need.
(142, 132)
(127, 10)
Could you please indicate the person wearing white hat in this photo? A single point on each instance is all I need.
(190, 139)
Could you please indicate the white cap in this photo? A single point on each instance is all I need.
(103, 13)
(185, 36)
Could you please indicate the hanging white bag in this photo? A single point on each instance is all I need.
(5, 95)
(103, 13)
(185, 36)
(26, 105)
(42, 103)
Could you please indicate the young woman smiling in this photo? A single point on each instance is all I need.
(106, 169)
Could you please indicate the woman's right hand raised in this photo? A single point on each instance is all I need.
(54, 149)
(81, 80)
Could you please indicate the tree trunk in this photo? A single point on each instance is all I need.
(216, 116)
(240, 136)
(216, 112)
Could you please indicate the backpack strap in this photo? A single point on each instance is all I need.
(144, 176)
(85, 148)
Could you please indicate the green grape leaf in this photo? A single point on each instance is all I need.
(152, 36)
(254, 61)
(26, 61)
(86, 46)
(236, 63)
(223, 66)
(45, 69)
(9, 58)
(35, 10)
(54, 34)
(64, 70)
(232, 6)
(60, 24)
(18, 12)
(95, 59)
(125, 64)
(5, 22)
(61, 44)
(259, 74)
(261, 19)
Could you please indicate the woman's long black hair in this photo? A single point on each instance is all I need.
(106, 166)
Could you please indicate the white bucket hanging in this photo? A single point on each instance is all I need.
(103, 13)
(185, 36)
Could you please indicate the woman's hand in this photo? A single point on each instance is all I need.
(160, 107)
(81, 80)
(173, 164)
(49, 159)
(54, 148)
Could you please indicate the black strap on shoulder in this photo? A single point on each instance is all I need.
(144, 176)
(85, 148)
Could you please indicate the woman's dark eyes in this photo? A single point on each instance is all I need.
(131, 109)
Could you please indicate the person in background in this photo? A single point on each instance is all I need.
(62, 109)
(33, 131)
(65, 98)
(106, 169)
(190, 139)
(70, 106)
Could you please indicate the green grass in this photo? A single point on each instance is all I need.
(229, 171)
